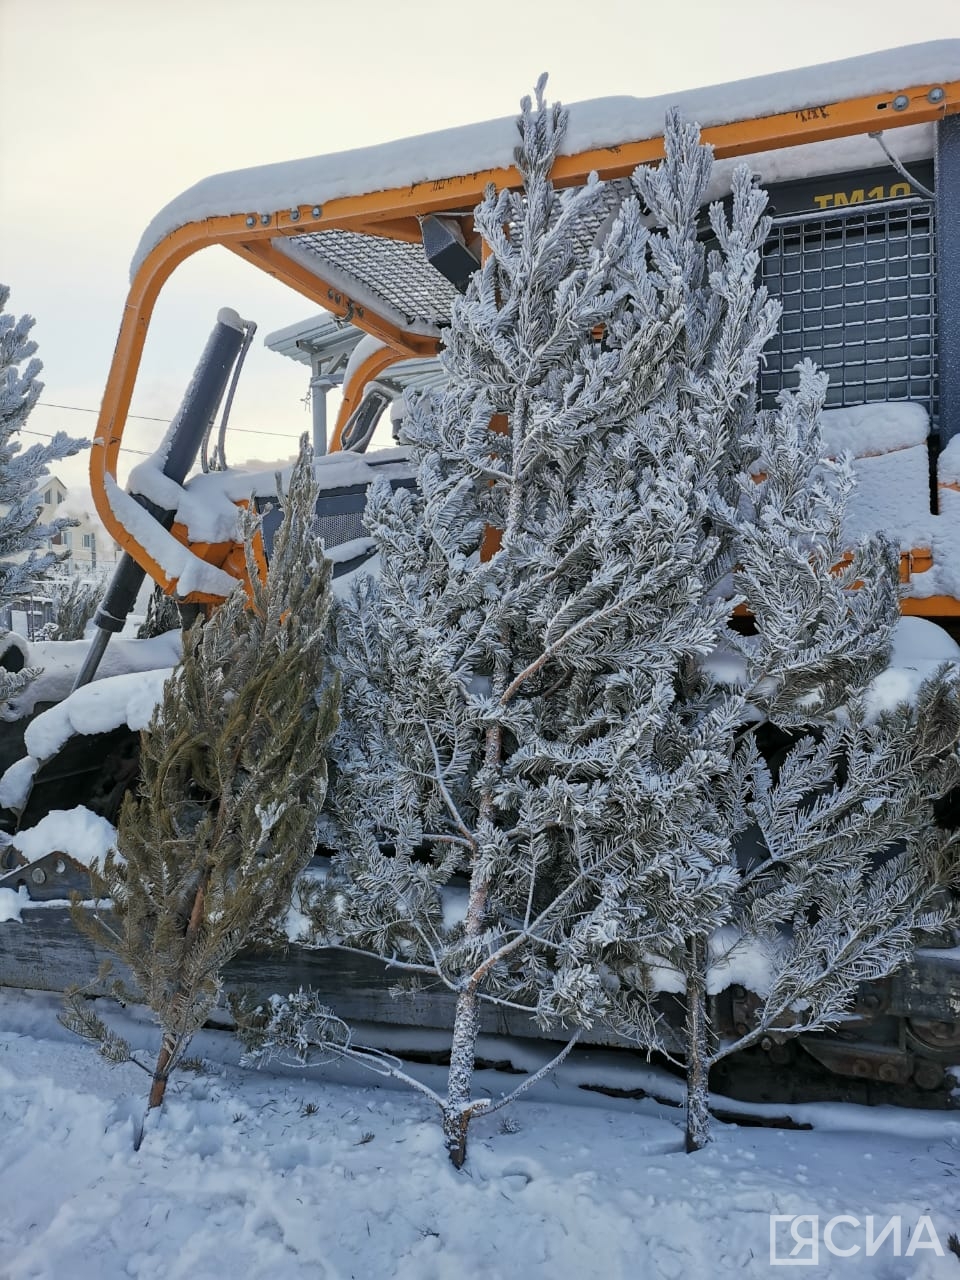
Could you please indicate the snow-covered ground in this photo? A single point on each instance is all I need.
(289, 1174)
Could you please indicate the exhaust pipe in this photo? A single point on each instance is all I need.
(181, 445)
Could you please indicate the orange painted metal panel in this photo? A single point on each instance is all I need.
(367, 371)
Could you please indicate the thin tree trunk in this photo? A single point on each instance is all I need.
(456, 1110)
(698, 1061)
(161, 1072)
(466, 1025)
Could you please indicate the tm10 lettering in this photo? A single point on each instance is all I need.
(839, 199)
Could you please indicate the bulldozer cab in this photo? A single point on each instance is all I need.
(861, 160)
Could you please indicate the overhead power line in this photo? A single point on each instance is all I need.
(75, 408)
(45, 435)
(143, 417)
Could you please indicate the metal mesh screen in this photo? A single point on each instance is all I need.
(338, 517)
(343, 526)
(859, 299)
(398, 273)
(393, 270)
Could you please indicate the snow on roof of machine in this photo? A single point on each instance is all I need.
(596, 123)
(321, 336)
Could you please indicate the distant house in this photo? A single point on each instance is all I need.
(90, 555)
(50, 495)
(53, 494)
(91, 552)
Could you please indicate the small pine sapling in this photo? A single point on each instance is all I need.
(233, 777)
(840, 860)
(23, 563)
(162, 616)
(74, 604)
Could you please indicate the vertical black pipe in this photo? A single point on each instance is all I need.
(947, 187)
(181, 444)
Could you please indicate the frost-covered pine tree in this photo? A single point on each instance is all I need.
(22, 562)
(508, 681)
(840, 866)
(530, 706)
(233, 774)
(829, 854)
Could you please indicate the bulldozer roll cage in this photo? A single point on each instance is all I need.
(866, 265)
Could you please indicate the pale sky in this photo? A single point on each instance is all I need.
(110, 108)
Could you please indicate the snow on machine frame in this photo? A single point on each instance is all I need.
(861, 159)
(383, 237)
